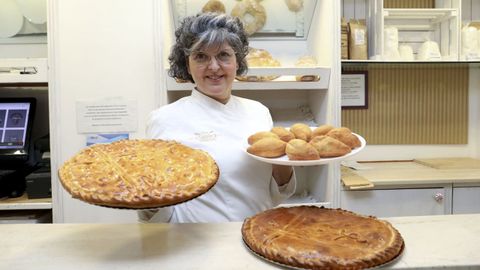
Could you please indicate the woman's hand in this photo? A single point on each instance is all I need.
(282, 174)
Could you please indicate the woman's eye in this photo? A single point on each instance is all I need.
(224, 56)
(201, 57)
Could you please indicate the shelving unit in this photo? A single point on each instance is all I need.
(23, 70)
(286, 81)
(24, 203)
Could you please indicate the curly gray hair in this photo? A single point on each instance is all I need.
(207, 30)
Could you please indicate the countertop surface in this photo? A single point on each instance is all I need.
(413, 173)
(451, 241)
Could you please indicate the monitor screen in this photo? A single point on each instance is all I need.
(16, 115)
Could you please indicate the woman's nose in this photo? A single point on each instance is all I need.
(213, 63)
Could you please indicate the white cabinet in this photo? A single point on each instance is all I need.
(398, 202)
(466, 200)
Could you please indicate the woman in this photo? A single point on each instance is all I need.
(210, 51)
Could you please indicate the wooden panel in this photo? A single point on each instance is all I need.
(409, 3)
(413, 104)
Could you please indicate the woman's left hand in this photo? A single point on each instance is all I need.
(282, 174)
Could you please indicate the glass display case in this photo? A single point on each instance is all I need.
(266, 19)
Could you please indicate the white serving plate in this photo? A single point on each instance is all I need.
(283, 160)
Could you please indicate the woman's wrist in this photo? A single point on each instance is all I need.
(282, 174)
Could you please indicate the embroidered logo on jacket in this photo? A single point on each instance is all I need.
(205, 136)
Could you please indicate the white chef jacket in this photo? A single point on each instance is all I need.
(245, 186)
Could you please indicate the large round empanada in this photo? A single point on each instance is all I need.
(346, 136)
(329, 147)
(283, 133)
(268, 147)
(260, 135)
(301, 131)
(301, 150)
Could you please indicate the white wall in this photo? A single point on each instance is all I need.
(97, 49)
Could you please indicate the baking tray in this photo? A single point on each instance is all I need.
(285, 266)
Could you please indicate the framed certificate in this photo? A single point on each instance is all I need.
(354, 90)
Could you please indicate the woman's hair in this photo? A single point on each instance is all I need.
(207, 30)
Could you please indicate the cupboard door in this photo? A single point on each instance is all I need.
(466, 200)
(397, 202)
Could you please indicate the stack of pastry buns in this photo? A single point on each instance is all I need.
(301, 142)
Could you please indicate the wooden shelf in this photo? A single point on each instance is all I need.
(24, 203)
(387, 64)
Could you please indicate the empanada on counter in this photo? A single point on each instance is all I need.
(268, 147)
(328, 147)
(346, 136)
(283, 133)
(298, 149)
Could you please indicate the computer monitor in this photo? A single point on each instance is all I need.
(16, 120)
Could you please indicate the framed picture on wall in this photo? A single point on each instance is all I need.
(354, 89)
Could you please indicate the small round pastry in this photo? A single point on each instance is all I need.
(260, 135)
(328, 147)
(268, 147)
(214, 6)
(294, 5)
(322, 130)
(283, 133)
(346, 136)
(301, 150)
(301, 131)
(253, 8)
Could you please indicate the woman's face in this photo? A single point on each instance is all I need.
(213, 70)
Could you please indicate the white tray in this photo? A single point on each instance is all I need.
(283, 160)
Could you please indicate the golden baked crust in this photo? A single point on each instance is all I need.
(261, 135)
(301, 131)
(297, 149)
(346, 136)
(321, 238)
(268, 147)
(329, 147)
(283, 133)
(138, 174)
